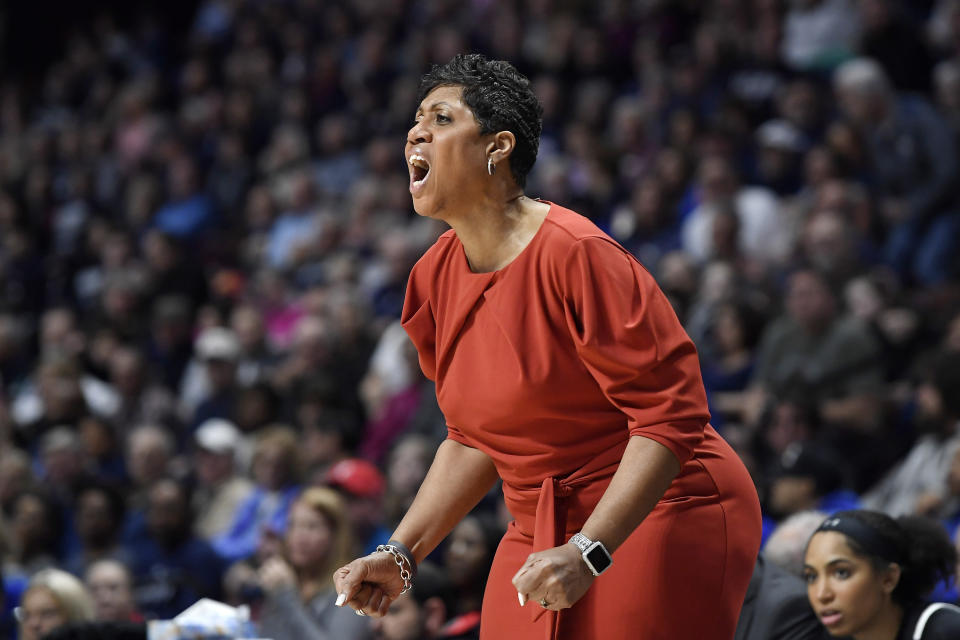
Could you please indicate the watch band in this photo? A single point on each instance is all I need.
(581, 541)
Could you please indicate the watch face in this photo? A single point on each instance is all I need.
(598, 558)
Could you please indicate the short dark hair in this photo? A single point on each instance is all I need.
(501, 100)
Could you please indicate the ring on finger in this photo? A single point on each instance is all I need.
(360, 612)
(544, 603)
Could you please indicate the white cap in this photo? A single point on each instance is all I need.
(218, 343)
(781, 134)
(218, 435)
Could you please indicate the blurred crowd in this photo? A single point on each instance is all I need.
(205, 238)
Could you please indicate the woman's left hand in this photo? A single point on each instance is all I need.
(557, 577)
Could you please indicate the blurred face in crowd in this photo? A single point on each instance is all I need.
(446, 154)
(467, 556)
(809, 301)
(213, 467)
(126, 372)
(408, 465)
(862, 107)
(791, 494)
(167, 513)
(728, 330)
(63, 462)
(846, 592)
(221, 373)
(403, 621)
(271, 466)
(717, 180)
(95, 520)
(30, 524)
(309, 536)
(40, 613)
(930, 413)
(147, 457)
(15, 474)
(109, 584)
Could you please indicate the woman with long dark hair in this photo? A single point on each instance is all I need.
(868, 576)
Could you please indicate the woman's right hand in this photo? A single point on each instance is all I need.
(369, 584)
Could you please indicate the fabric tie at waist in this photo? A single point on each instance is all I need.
(549, 524)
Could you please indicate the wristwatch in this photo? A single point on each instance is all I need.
(594, 554)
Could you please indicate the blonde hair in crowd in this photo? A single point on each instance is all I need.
(72, 597)
(328, 503)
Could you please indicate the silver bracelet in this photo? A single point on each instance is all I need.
(403, 562)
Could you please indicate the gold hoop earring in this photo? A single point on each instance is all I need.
(491, 167)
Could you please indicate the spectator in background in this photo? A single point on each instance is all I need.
(53, 599)
(779, 147)
(218, 354)
(918, 484)
(170, 345)
(811, 476)
(142, 401)
(256, 357)
(646, 224)
(149, 452)
(111, 587)
(170, 272)
(728, 366)
(946, 84)
(329, 435)
(467, 558)
(56, 399)
(102, 451)
(36, 525)
(785, 546)
(15, 477)
(276, 471)
(825, 357)
(299, 596)
(220, 487)
(391, 411)
(915, 163)
(776, 607)
(422, 612)
(763, 234)
(868, 574)
(99, 518)
(172, 569)
(188, 212)
(362, 485)
(406, 467)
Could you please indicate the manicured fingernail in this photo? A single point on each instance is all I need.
(521, 598)
(340, 599)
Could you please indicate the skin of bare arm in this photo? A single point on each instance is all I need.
(559, 576)
(458, 478)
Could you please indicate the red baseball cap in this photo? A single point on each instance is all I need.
(357, 477)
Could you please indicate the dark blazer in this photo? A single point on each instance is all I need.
(776, 607)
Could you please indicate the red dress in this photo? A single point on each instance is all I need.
(548, 366)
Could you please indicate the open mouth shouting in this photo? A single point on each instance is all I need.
(419, 172)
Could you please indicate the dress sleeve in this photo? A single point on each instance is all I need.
(418, 320)
(629, 338)
(420, 324)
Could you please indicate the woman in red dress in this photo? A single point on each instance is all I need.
(562, 369)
